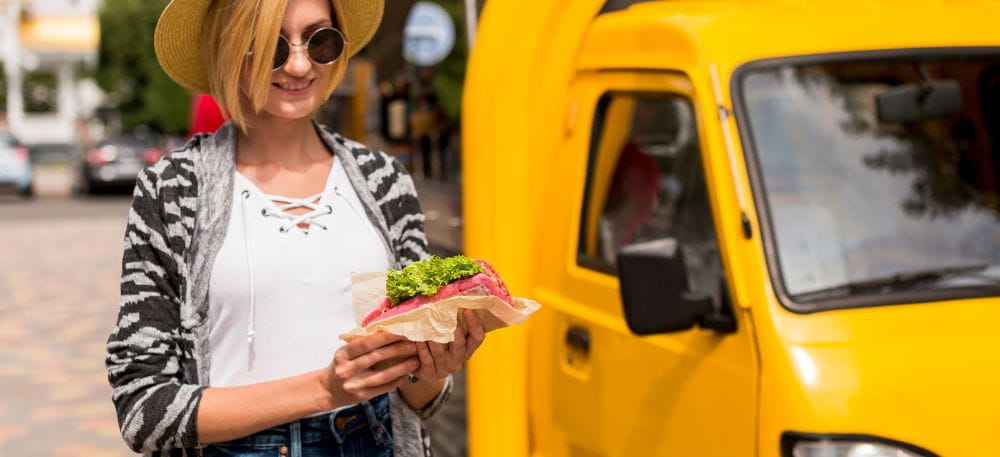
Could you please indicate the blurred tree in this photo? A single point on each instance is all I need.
(128, 71)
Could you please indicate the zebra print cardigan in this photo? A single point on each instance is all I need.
(158, 354)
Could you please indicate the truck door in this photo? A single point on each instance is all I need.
(631, 170)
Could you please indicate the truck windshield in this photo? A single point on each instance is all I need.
(879, 178)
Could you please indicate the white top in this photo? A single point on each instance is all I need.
(279, 295)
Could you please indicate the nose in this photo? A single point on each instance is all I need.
(298, 64)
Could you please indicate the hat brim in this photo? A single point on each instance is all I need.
(177, 39)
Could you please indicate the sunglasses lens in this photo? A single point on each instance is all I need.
(326, 46)
(281, 53)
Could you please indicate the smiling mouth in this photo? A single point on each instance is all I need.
(293, 87)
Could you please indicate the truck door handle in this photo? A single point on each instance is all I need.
(578, 338)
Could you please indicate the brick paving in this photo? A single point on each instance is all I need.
(58, 301)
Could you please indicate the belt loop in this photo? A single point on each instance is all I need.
(331, 418)
(378, 430)
(296, 435)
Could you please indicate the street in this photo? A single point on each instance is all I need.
(59, 271)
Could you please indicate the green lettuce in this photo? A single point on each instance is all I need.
(427, 276)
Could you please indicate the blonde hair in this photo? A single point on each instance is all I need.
(226, 46)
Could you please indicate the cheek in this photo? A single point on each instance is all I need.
(323, 75)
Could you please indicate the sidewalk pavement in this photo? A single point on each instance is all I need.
(58, 302)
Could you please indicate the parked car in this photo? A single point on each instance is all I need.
(15, 166)
(115, 163)
(53, 153)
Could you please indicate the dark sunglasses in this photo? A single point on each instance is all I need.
(324, 47)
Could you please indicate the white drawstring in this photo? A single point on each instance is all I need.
(249, 254)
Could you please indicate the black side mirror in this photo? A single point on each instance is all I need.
(654, 289)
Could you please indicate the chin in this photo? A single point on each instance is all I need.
(292, 111)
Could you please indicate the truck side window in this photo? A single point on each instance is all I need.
(645, 182)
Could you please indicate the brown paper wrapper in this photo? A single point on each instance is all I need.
(435, 321)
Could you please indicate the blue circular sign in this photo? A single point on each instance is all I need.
(429, 35)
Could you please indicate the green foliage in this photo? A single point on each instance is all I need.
(427, 276)
(129, 72)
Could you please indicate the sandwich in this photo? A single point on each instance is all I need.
(434, 280)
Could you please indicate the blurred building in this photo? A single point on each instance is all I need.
(42, 46)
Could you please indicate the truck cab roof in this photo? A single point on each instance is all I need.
(684, 34)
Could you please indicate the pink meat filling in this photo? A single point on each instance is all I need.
(488, 279)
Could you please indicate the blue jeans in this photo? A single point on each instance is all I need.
(363, 430)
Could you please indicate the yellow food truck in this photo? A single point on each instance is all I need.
(757, 228)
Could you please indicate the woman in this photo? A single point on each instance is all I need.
(239, 248)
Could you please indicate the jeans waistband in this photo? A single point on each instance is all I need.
(373, 414)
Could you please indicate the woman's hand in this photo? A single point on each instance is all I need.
(352, 376)
(438, 360)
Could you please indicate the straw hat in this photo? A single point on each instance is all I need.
(178, 35)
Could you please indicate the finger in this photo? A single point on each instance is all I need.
(471, 347)
(365, 344)
(340, 356)
(388, 375)
(456, 351)
(372, 392)
(475, 325)
(440, 359)
(389, 352)
(477, 334)
(426, 360)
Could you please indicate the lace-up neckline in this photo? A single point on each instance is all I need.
(280, 206)
(283, 204)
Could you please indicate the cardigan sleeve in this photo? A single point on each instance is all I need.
(146, 351)
(406, 226)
